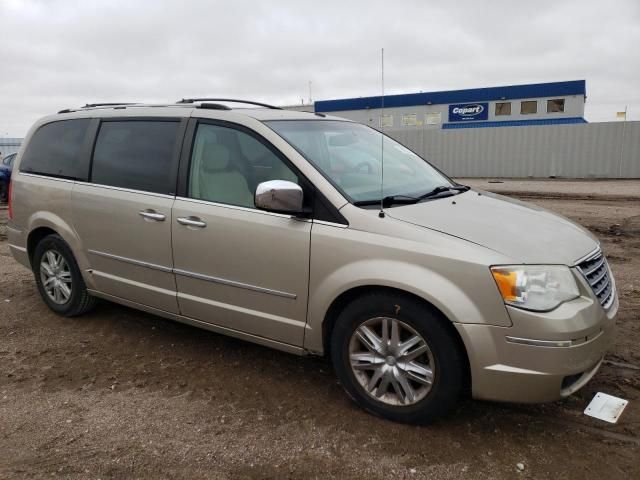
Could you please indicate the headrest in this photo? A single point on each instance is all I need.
(215, 157)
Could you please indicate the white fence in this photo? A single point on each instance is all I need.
(591, 150)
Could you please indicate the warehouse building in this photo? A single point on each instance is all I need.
(514, 105)
(9, 145)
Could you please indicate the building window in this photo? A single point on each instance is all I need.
(555, 105)
(503, 108)
(386, 121)
(433, 118)
(528, 107)
(409, 119)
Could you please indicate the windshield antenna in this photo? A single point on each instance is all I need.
(381, 213)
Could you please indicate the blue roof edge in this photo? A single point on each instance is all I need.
(515, 123)
(509, 92)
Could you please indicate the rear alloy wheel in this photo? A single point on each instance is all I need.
(58, 278)
(55, 276)
(397, 357)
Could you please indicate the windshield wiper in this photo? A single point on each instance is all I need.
(388, 201)
(407, 200)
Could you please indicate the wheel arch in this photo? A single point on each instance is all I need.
(44, 223)
(35, 236)
(350, 295)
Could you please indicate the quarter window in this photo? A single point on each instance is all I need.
(503, 108)
(137, 155)
(528, 107)
(555, 105)
(227, 165)
(56, 150)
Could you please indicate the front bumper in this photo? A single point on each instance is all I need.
(519, 363)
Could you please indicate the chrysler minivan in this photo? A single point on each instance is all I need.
(314, 235)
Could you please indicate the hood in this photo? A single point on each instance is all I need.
(524, 232)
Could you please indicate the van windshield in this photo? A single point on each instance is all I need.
(349, 155)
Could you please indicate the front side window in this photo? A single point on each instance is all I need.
(555, 105)
(528, 107)
(503, 108)
(228, 164)
(56, 149)
(136, 154)
(350, 156)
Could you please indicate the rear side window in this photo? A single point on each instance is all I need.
(56, 149)
(136, 154)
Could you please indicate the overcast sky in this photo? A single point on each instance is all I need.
(62, 53)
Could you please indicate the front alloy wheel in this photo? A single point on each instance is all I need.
(391, 361)
(398, 357)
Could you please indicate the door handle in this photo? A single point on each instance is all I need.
(191, 222)
(152, 215)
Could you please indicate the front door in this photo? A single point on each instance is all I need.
(236, 266)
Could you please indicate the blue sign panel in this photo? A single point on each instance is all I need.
(464, 112)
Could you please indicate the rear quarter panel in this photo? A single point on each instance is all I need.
(40, 201)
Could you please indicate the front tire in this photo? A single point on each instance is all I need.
(397, 358)
(58, 278)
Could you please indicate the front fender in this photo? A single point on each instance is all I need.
(445, 295)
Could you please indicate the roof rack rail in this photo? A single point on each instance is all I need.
(213, 106)
(99, 105)
(232, 100)
(111, 104)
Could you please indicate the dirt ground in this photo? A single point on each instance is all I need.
(122, 394)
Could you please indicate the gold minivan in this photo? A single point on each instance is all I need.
(313, 235)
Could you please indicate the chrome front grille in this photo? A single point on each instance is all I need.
(595, 270)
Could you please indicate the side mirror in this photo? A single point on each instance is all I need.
(280, 196)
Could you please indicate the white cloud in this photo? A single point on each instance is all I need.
(56, 54)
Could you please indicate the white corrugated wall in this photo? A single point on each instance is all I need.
(591, 150)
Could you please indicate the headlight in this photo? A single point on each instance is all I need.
(535, 287)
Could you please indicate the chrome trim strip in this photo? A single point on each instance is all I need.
(139, 263)
(330, 224)
(554, 343)
(20, 249)
(539, 343)
(601, 289)
(47, 177)
(233, 283)
(593, 269)
(589, 256)
(596, 280)
(121, 189)
(199, 276)
(235, 207)
(609, 300)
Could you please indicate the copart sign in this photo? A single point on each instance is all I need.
(468, 112)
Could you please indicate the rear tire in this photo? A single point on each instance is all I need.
(415, 373)
(58, 278)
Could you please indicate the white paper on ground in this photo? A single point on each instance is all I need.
(606, 407)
